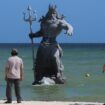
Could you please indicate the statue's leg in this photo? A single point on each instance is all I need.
(37, 77)
(58, 67)
(37, 67)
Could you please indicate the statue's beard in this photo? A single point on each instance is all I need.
(53, 16)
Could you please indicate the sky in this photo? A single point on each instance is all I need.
(86, 16)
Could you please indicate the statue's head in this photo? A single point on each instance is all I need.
(51, 14)
(52, 9)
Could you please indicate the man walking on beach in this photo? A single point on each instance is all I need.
(13, 75)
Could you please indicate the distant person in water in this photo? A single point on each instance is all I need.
(103, 68)
(13, 76)
(48, 58)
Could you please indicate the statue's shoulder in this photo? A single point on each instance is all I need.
(62, 21)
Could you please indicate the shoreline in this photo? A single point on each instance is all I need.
(51, 103)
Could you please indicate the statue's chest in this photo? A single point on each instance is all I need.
(51, 25)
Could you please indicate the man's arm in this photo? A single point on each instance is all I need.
(5, 74)
(21, 71)
(6, 69)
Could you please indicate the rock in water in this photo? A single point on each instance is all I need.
(47, 81)
(87, 75)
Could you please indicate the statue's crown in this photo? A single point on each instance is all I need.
(52, 7)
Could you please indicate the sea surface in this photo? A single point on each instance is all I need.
(83, 71)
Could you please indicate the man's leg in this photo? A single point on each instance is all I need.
(17, 90)
(9, 91)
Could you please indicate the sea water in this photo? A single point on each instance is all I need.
(83, 71)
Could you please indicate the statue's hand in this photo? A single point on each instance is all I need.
(31, 35)
(69, 32)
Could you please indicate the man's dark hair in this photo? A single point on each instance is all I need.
(14, 52)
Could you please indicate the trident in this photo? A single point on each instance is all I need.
(30, 19)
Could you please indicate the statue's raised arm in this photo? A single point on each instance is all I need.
(66, 26)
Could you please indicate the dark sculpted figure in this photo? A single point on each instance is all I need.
(48, 59)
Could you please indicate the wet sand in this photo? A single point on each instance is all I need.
(51, 103)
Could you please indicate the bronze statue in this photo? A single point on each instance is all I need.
(48, 58)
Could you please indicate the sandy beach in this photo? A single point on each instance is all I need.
(51, 103)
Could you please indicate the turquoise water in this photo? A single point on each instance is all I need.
(78, 60)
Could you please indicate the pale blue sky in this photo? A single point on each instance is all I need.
(86, 16)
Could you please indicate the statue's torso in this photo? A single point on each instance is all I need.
(51, 28)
